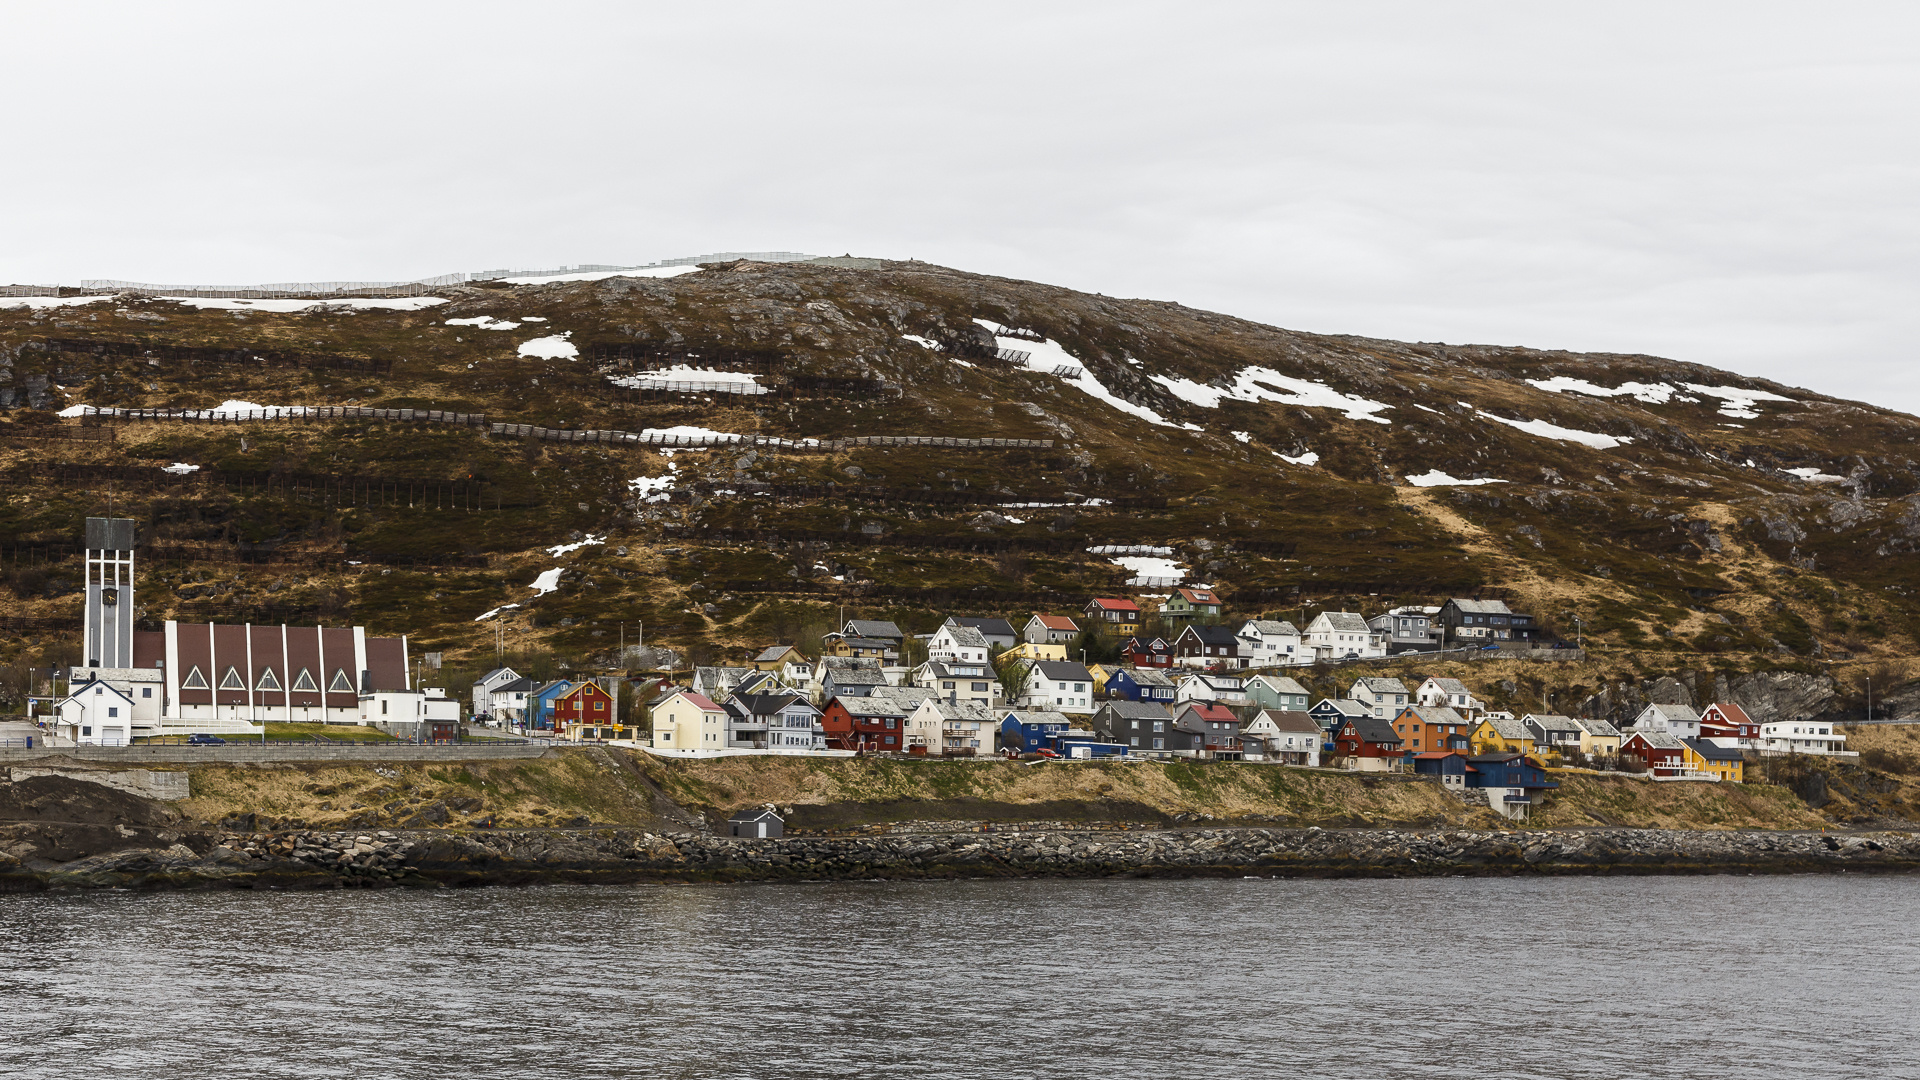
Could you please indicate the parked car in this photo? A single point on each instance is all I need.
(201, 738)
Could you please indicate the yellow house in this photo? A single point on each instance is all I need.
(684, 720)
(1501, 735)
(1721, 762)
(1598, 738)
(1100, 673)
(774, 657)
(1035, 651)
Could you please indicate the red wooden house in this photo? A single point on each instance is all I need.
(1726, 724)
(1150, 653)
(586, 705)
(872, 725)
(1368, 743)
(1661, 753)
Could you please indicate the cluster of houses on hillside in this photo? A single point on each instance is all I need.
(1214, 692)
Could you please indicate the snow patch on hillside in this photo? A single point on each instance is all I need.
(50, 301)
(1151, 566)
(548, 581)
(558, 550)
(1308, 458)
(1736, 402)
(1266, 384)
(1436, 478)
(1814, 475)
(1545, 430)
(550, 348)
(1651, 393)
(484, 322)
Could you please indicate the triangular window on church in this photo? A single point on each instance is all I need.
(268, 681)
(231, 680)
(304, 681)
(194, 680)
(340, 683)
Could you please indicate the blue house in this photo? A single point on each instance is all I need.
(1027, 731)
(1513, 781)
(1330, 713)
(1449, 765)
(1140, 684)
(540, 703)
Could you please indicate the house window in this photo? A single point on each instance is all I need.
(113, 710)
(146, 691)
(194, 680)
(86, 731)
(1159, 725)
(1159, 744)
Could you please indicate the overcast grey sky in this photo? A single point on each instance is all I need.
(1733, 183)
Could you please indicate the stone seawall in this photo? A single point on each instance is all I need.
(170, 859)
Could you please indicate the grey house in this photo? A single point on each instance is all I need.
(760, 823)
(1143, 727)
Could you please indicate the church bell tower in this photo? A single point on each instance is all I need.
(108, 629)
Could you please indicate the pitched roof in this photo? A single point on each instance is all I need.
(1036, 716)
(1279, 684)
(1199, 596)
(1449, 686)
(1208, 711)
(1673, 714)
(1290, 720)
(879, 628)
(698, 701)
(1211, 635)
(1062, 671)
(877, 705)
(1435, 714)
(1483, 607)
(769, 704)
(517, 686)
(1345, 622)
(1553, 721)
(1597, 727)
(909, 696)
(1374, 730)
(1115, 605)
(1381, 684)
(850, 663)
(989, 627)
(858, 677)
(961, 710)
(1713, 751)
(1658, 740)
(870, 643)
(1057, 622)
(1508, 727)
(1732, 713)
(1148, 677)
(1343, 706)
(1137, 710)
(774, 652)
(967, 636)
(1265, 627)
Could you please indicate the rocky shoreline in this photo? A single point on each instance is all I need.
(165, 859)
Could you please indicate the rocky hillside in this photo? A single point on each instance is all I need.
(1685, 522)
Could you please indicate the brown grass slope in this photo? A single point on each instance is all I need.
(1687, 548)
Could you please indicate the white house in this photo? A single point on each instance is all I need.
(1058, 686)
(1383, 698)
(1283, 736)
(684, 720)
(1802, 737)
(483, 688)
(959, 645)
(95, 714)
(957, 681)
(1448, 693)
(1334, 635)
(1407, 629)
(965, 729)
(1051, 630)
(1271, 643)
(508, 701)
(1679, 721)
(1224, 689)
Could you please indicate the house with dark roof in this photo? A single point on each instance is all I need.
(1468, 621)
(1448, 766)
(1153, 652)
(881, 629)
(1513, 782)
(1206, 646)
(1141, 684)
(1028, 731)
(1145, 727)
(1058, 686)
(999, 633)
(1368, 744)
(840, 675)
(774, 722)
(1720, 762)
(1554, 733)
(1330, 713)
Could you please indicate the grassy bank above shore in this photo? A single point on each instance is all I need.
(617, 787)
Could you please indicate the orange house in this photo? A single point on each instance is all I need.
(1425, 728)
(584, 705)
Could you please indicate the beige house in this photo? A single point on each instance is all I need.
(684, 720)
(1598, 738)
(961, 729)
(1034, 650)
